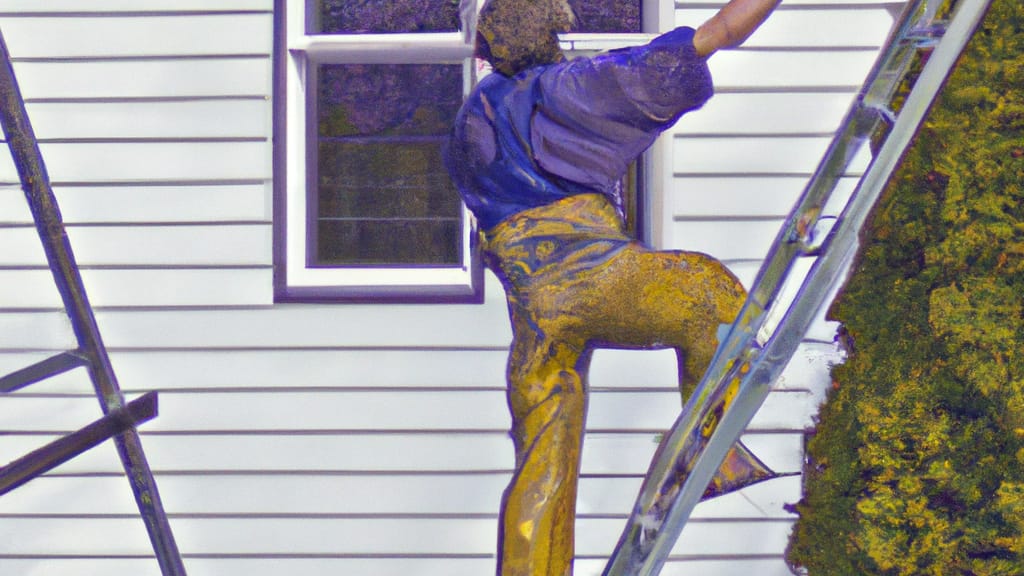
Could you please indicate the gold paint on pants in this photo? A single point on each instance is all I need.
(575, 282)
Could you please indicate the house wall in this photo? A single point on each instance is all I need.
(350, 439)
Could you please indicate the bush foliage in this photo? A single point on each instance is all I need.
(917, 465)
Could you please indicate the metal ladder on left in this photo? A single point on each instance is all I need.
(120, 417)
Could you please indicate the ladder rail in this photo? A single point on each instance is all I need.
(43, 204)
(742, 372)
(856, 128)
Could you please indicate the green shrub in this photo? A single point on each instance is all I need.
(917, 464)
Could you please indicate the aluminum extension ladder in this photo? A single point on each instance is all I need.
(120, 418)
(768, 329)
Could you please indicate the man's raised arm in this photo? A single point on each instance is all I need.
(732, 25)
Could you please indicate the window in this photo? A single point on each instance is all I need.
(365, 208)
(367, 92)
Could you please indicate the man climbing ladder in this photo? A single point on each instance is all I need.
(537, 152)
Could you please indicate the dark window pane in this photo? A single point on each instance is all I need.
(606, 15)
(388, 99)
(390, 243)
(381, 16)
(383, 195)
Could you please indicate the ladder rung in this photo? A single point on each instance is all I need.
(42, 370)
(928, 35)
(63, 449)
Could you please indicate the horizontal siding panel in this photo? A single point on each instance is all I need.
(766, 113)
(474, 327)
(764, 155)
(290, 453)
(858, 27)
(146, 287)
(147, 203)
(150, 161)
(144, 370)
(599, 536)
(27, 331)
(745, 270)
(290, 326)
(13, 206)
(198, 245)
(475, 494)
(257, 567)
(727, 239)
(376, 567)
(313, 368)
(281, 327)
(761, 70)
(49, 566)
(387, 410)
(113, 6)
(405, 453)
(90, 37)
(197, 77)
(310, 411)
(702, 197)
(696, 197)
(301, 369)
(151, 119)
(361, 536)
(121, 536)
(625, 369)
(466, 494)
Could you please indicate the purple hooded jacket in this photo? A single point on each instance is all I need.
(571, 127)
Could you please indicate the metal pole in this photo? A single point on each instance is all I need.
(43, 204)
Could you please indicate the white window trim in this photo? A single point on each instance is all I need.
(303, 51)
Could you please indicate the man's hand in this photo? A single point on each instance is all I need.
(732, 25)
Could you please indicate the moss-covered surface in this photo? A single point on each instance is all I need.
(917, 466)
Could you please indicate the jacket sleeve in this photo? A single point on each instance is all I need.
(596, 115)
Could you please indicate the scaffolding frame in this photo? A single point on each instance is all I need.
(120, 418)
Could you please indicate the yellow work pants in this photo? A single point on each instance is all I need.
(575, 282)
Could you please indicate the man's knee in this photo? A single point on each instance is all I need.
(547, 410)
(553, 393)
(710, 280)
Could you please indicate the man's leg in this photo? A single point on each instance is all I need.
(676, 299)
(547, 397)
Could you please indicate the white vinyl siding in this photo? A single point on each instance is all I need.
(154, 123)
(315, 439)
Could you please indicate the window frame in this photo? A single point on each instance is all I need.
(296, 52)
(297, 55)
